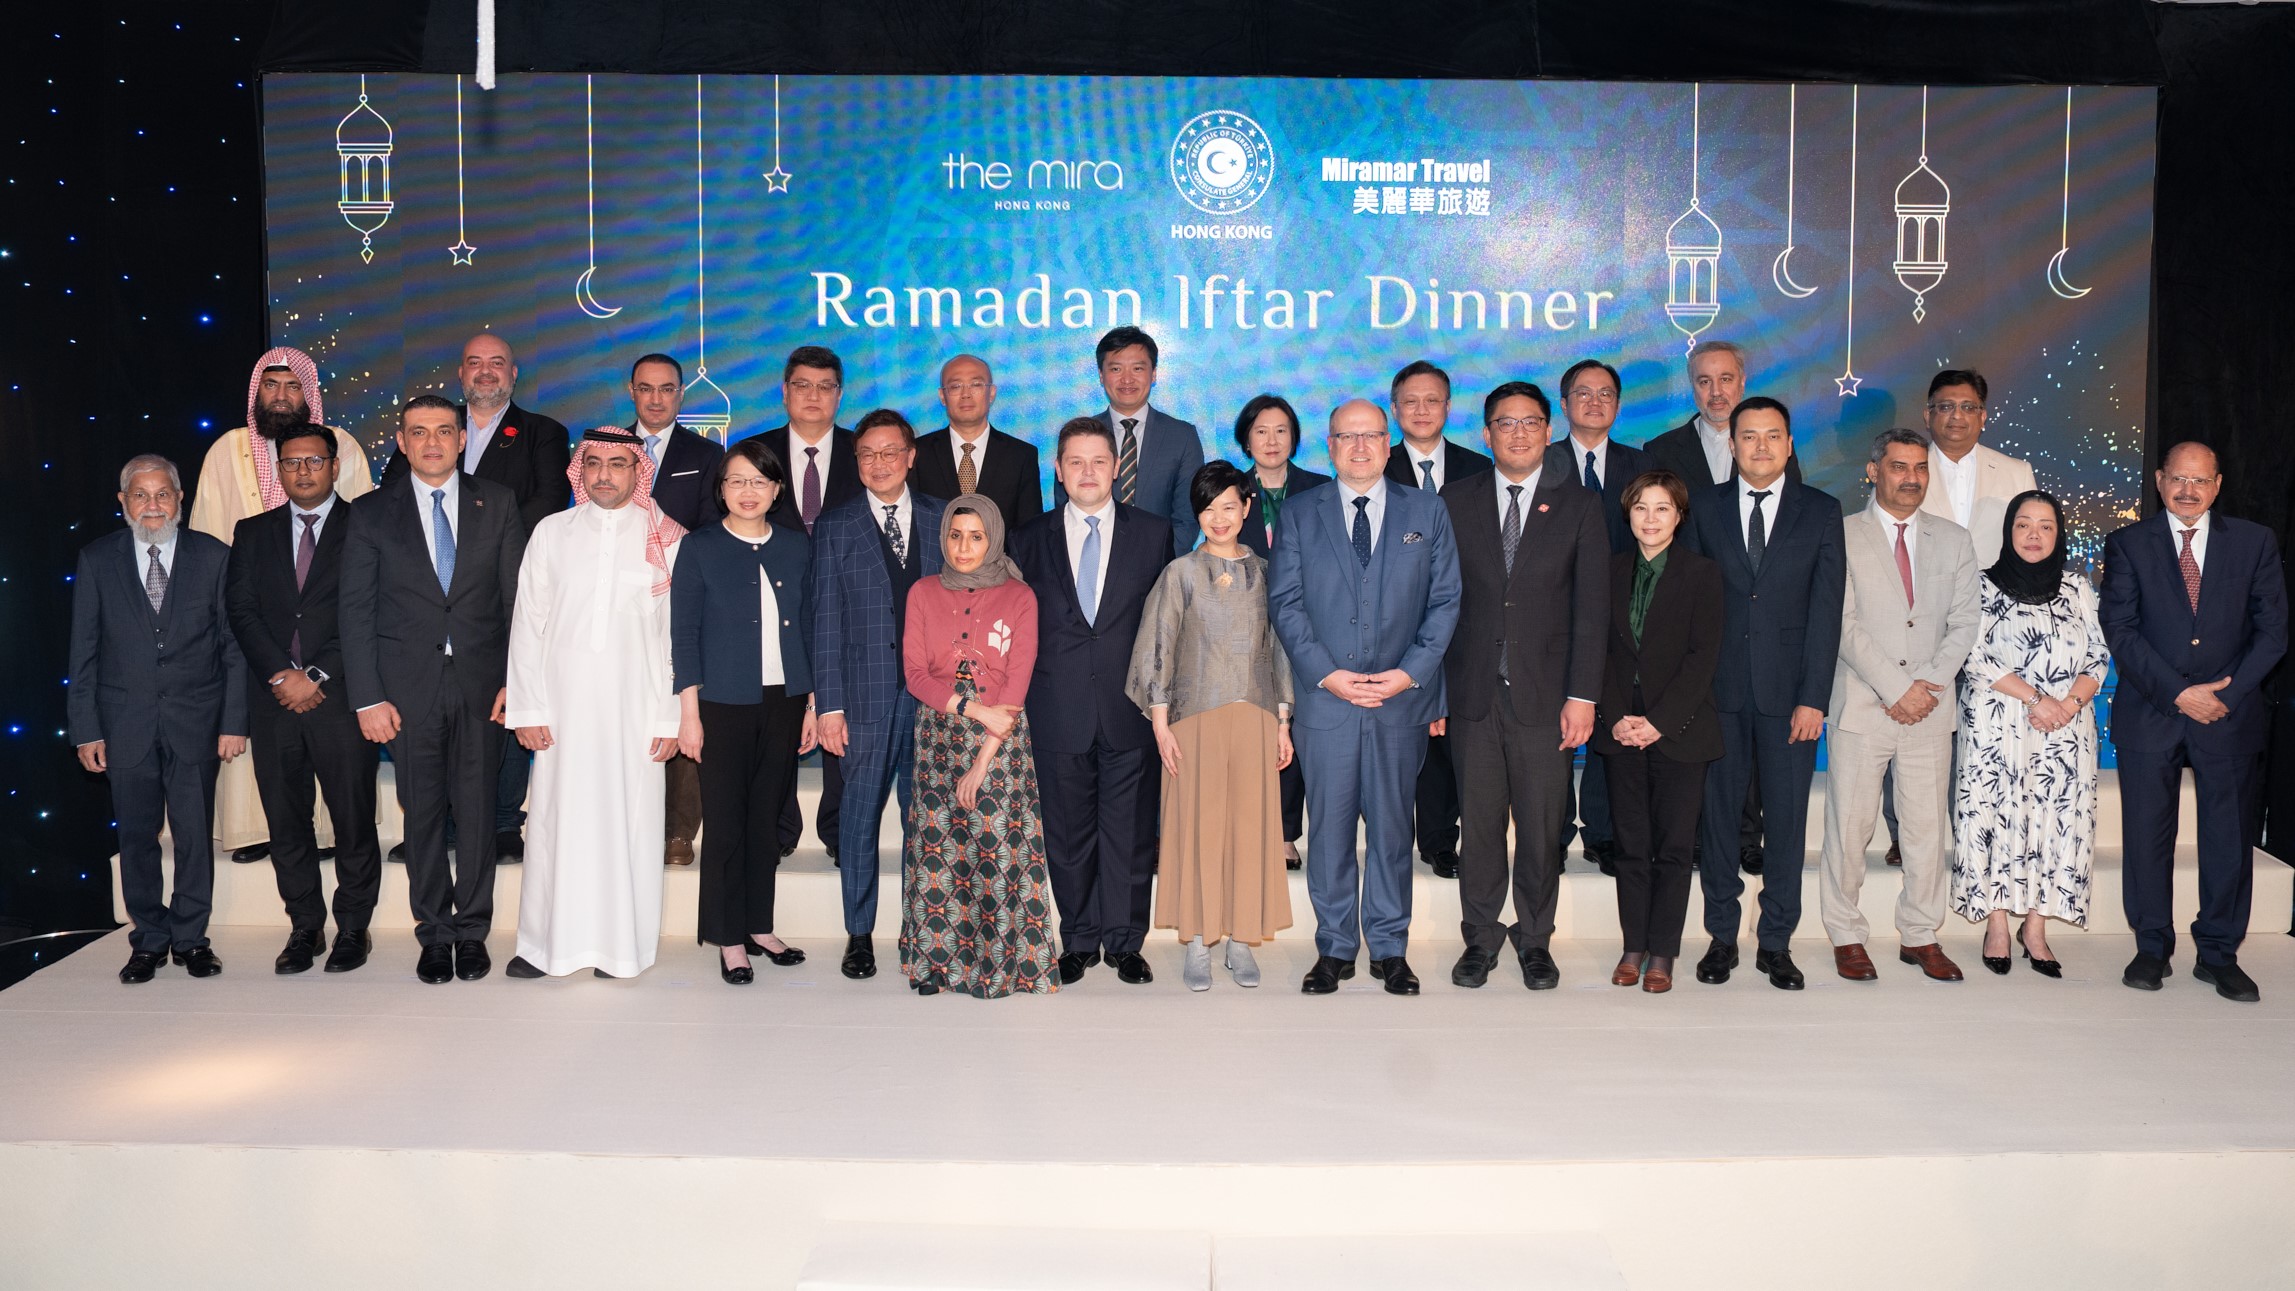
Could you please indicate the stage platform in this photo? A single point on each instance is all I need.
(809, 905)
(365, 1130)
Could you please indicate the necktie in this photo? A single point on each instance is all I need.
(1756, 534)
(1088, 571)
(1904, 564)
(809, 502)
(441, 540)
(892, 533)
(1509, 537)
(1362, 532)
(155, 579)
(653, 450)
(967, 472)
(1128, 463)
(306, 547)
(1593, 481)
(1426, 469)
(2189, 563)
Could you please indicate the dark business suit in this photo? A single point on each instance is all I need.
(856, 597)
(270, 616)
(681, 477)
(396, 625)
(1296, 480)
(528, 453)
(1435, 807)
(840, 480)
(1619, 466)
(1006, 469)
(1781, 636)
(1656, 793)
(2163, 646)
(1171, 451)
(1528, 639)
(1094, 748)
(159, 688)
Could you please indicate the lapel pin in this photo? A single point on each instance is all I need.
(1542, 508)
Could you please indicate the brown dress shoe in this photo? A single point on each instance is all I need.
(1932, 961)
(1659, 979)
(1628, 972)
(1855, 964)
(677, 852)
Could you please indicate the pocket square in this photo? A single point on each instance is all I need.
(1413, 536)
(675, 474)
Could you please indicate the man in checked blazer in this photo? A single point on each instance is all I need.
(1156, 454)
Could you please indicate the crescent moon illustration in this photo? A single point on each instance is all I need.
(1782, 274)
(588, 302)
(2056, 281)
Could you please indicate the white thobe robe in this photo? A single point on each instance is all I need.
(226, 494)
(589, 658)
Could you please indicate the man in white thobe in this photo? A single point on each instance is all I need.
(589, 693)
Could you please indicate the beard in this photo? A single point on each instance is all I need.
(499, 397)
(162, 535)
(275, 424)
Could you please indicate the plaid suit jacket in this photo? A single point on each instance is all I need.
(855, 618)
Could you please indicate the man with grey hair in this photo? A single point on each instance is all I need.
(1908, 622)
(157, 700)
(972, 456)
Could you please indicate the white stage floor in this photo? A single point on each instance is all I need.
(367, 1130)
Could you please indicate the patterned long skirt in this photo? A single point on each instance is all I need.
(976, 906)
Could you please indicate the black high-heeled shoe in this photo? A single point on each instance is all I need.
(924, 988)
(741, 976)
(2044, 967)
(1997, 963)
(786, 958)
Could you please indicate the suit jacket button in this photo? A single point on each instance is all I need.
(2195, 640)
(1900, 663)
(1908, 623)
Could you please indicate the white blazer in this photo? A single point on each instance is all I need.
(1999, 477)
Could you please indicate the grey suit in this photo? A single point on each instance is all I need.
(1171, 451)
(158, 688)
(1885, 647)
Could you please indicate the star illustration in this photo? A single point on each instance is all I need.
(462, 251)
(777, 179)
(1848, 384)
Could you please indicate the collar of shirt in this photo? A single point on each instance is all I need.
(1715, 441)
(957, 441)
(1116, 419)
(481, 431)
(1771, 506)
(1074, 518)
(656, 441)
(2199, 532)
(1528, 485)
(1578, 450)
(900, 509)
(325, 508)
(422, 503)
(1376, 511)
(166, 553)
(1889, 523)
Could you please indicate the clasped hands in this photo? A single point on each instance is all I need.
(1367, 689)
(2201, 703)
(1916, 705)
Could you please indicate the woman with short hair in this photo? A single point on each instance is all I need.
(1267, 430)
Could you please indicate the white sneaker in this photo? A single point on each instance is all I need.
(1240, 965)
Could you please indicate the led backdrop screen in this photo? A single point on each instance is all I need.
(1304, 237)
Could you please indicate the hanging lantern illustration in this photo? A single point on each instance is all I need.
(707, 409)
(363, 145)
(1693, 253)
(1923, 204)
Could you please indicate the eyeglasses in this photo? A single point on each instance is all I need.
(2195, 481)
(1520, 425)
(803, 386)
(1590, 394)
(1964, 408)
(1352, 438)
(746, 483)
(957, 387)
(1424, 403)
(142, 498)
(312, 464)
(886, 455)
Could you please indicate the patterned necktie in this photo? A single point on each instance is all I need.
(967, 472)
(2187, 561)
(809, 502)
(1904, 563)
(442, 540)
(1509, 538)
(1593, 481)
(306, 547)
(892, 533)
(1128, 464)
(155, 579)
(1757, 534)
(1088, 571)
(1362, 532)
(1426, 469)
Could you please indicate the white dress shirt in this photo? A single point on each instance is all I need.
(904, 511)
(1072, 522)
(822, 456)
(481, 434)
(422, 506)
(1376, 511)
(143, 554)
(1578, 451)
(2199, 533)
(325, 508)
(1770, 506)
(1959, 484)
(1888, 524)
(1417, 461)
(956, 443)
(656, 441)
(1715, 441)
(1529, 486)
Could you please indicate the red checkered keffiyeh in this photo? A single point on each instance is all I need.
(660, 530)
(265, 453)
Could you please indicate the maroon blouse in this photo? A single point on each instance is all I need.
(994, 629)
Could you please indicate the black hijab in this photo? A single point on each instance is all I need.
(2032, 582)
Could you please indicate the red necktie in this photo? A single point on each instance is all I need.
(1904, 563)
(2190, 566)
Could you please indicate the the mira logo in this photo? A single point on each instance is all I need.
(1222, 162)
(1044, 174)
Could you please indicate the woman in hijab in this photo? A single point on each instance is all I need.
(2024, 817)
(975, 901)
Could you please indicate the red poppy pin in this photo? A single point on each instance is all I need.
(509, 432)
(1541, 508)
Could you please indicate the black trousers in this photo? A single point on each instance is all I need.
(1756, 744)
(1293, 784)
(1654, 806)
(299, 756)
(748, 759)
(1100, 821)
(178, 793)
(1508, 767)
(1435, 813)
(824, 815)
(2229, 787)
(448, 757)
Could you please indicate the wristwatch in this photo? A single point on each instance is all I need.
(315, 673)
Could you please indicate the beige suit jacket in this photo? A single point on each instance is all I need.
(1999, 477)
(1885, 645)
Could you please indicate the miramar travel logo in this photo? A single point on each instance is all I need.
(1222, 163)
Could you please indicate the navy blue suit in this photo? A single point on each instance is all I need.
(857, 599)
(1781, 636)
(1096, 761)
(2163, 647)
(158, 688)
(1332, 612)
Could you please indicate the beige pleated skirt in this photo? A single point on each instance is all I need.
(1221, 871)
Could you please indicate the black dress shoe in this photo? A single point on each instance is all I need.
(787, 958)
(1783, 974)
(1473, 968)
(1325, 976)
(326, 853)
(599, 972)
(522, 968)
(436, 965)
(1395, 972)
(1720, 957)
(2145, 971)
(397, 854)
(471, 961)
(1131, 967)
(860, 958)
(788, 850)
(250, 854)
(741, 976)
(199, 961)
(1896, 854)
(1444, 864)
(2000, 963)
(1539, 972)
(1072, 967)
(2229, 981)
(1750, 860)
(303, 946)
(140, 967)
(351, 949)
(2044, 967)
(509, 847)
(924, 988)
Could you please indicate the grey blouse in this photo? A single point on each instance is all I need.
(1205, 640)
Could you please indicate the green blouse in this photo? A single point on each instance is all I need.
(1646, 571)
